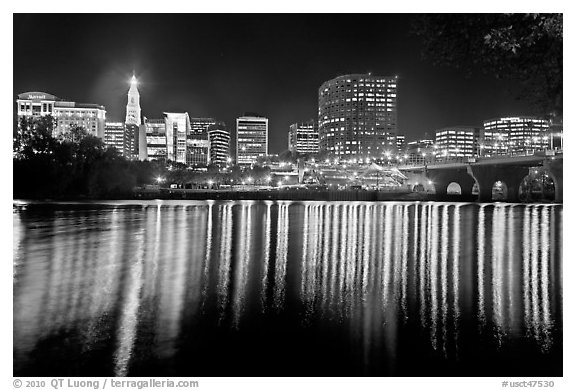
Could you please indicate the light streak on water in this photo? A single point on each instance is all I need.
(243, 264)
(129, 310)
(456, 274)
(266, 259)
(225, 259)
(281, 256)
(444, 276)
(480, 278)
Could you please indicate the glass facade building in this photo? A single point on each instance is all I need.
(156, 147)
(177, 130)
(358, 116)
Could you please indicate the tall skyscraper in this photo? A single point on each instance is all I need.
(133, 121)
(92, 117)
(303, 137)
(133, 111)
(514, 136)
(219, 143)
(357, 116)
(251, 138)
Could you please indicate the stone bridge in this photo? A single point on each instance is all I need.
(485, 172)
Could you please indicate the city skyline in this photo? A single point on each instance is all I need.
(262, 67)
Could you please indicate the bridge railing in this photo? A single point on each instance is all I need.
(539, 155)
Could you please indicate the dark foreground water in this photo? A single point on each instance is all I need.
(287, 288)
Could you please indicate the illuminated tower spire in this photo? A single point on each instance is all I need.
(133, 106)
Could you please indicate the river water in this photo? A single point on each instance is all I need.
(246, 288)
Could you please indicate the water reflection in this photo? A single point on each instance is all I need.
(149, 288)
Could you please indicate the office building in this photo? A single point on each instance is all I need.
(357, 116)
(156, 145)
(197, 150)
(114, 136)
(418, 151)
(251, 138)
(514, 136)
(91, 117)
(177, 130)
(303, 137)
(400, 142)
(199, 126)
(219, 140)
(456, 141)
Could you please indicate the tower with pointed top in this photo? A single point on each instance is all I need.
(133, 106)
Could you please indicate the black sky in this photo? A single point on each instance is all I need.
(223, 65)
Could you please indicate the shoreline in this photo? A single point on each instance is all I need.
(286, 194)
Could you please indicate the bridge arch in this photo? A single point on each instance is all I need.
(538, 185)
(499, 191)
(451, 181)
(454, 188)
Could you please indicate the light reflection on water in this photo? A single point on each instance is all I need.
(351, 288)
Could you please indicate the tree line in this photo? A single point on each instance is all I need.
(73, 165)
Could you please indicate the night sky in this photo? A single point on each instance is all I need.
(222, 65)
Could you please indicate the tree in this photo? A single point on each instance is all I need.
(34, 137)
(526, 48)
(75, 134)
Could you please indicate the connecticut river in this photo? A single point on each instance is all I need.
(246, 288)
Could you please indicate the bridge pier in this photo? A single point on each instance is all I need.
(487, 175)
(555, 169)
